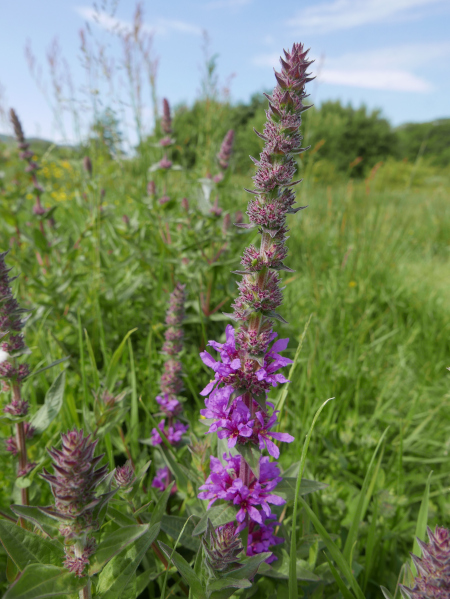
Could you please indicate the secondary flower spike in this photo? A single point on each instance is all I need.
(248, 365)
(74, 482)
(433, 579)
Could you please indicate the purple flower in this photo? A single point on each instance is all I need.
(169, 404)
(162, 480)
(261, 538)
(240, 374)
(225, 483)
(165, 162)
(172, 433)
(265, 435)
(239, 424)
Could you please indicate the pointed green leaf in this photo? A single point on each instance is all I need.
(334, 551)
(25, 547)
(121, 518)
(160, 508)
(173, 525)
(249, 566)
(55, 363)
(187, 573)
(421, 525)
(364, 498)
(52, 404)
(219, 515)
(114, 543)
(42, 580)
(223, 584)
(118, 573)
(112, 372)
(34, 515)
(286, 487)
(341, 584)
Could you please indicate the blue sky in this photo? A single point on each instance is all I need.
(388, 54)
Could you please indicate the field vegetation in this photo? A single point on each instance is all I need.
(369, 304)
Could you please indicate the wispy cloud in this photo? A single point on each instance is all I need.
(160, 26)
(345, 14)
(230, 4)
(363, 69)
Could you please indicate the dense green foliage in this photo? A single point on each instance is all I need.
(371, 259)
(353, 140)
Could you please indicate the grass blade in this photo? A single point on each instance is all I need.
(293, 590)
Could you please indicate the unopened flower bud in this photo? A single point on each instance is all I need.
(433, 579)
(225, 150)
(221, 546)
(185, 204)
(166, 120)
(124, 475)
(87, 165)
(151, 188)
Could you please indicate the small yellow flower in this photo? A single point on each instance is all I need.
(352, 284)
(29, 196)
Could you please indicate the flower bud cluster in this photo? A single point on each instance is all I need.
(171, 382)
(74, 482)
(433, 579)
(221, 547)
(32, 166)
(12, 343)
(247, 367)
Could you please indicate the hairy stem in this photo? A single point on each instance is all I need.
(22, 447)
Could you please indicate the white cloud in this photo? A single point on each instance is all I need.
(345, 14)
(160, 26)
(227, 3)
(384, 69)
(387, 79)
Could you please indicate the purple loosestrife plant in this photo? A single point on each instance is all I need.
(248, 366)
(171, 382)
(32, 167)
(12, 373)
(73, 484)
(433, 579)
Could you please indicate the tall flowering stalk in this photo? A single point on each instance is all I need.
(32, 166)
(236, 406)
(12, 373)
(433, 579)
(171, 382)
(73, 484)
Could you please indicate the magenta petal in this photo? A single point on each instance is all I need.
(254, 514)
(232, 441)
(285, 437)
(275, 499)
(209, 387)
(272, 449)
(279, 345)
(240, 516)
(207, 359)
